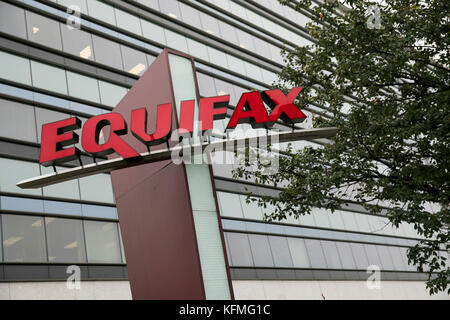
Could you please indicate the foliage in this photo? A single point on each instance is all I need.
(387, 90)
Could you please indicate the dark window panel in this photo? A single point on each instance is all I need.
(331, 255)
(385, 258)
(372, 255)
(359, 255)
(25, 272)
(59, 272)
(239, 248)
(106, 272)
(315, 253)
(280, 252)
(345, 253)
(261, 253)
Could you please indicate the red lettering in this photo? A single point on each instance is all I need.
(283, 106)
(163, 125)
(118, 127)
(54, 137)
(212, 108)
(250, 109)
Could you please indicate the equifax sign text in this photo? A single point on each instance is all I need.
(58, 136)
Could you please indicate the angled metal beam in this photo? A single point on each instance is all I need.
(165, 154)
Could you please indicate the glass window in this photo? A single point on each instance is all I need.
(349, 220)
(331, 255)
(65, 241)
(259, 245)
(372, 255)
(150, 59)
(262, 47)
(236, 65)
(359, 255)
(150, 3)
(217, 57)
(230, 205)
(224, 88)
(101, 11)
(170, 7)
(307, 219)
(83, 87)
(13, 171)
(363, 222)
(97, 188)
(299, 253)
(197, 49)
(107, 52)
(48, 77)
(90, 210)
(336, 220)
(245, 40)
(238, 10)
(15, 68)
(209, 24)
(315, 253)
(251, 210)
(134, 61)
(13, 113)
(252, 71)
(12, 20)
(228, 32)
(397, 259)
(321, 217)
(46, 116)
(43, 30)
(176, 41)
(206, 85)
(77, 42)
(102, 241)
(345, 253)
(239, 249)
(153, 32)
(21, 204)
(23, 238)
(268, 76)
(276, 54)
(280, 251)
(62, 207)
(111, 94)
(190, 15)
(128, 22)
(67, 189)
(385, 258)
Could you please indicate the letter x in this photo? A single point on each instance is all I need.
(283, 106)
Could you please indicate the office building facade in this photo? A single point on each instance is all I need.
(56, 63)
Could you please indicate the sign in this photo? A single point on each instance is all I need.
(57, 136)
